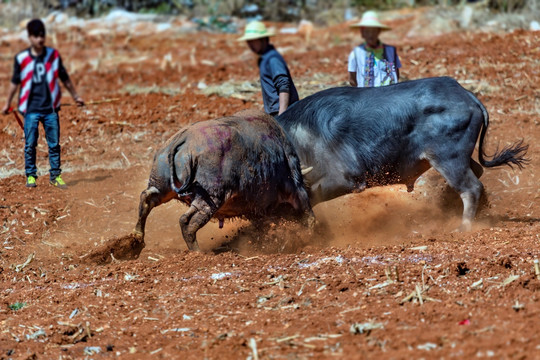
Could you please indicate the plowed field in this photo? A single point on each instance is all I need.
(383, 276)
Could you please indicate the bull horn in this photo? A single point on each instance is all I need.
(305, 171)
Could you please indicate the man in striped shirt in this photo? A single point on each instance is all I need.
(37, 70)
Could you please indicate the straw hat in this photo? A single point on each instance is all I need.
(371, 19)
(255, 30)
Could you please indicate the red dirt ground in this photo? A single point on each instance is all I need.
(383, 276)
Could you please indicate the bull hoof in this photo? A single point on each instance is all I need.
(311, 221)
(195, 248)
(138, 234)
(464, 227)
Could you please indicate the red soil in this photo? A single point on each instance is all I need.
(383, 276)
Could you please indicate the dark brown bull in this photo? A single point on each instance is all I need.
(242, 165)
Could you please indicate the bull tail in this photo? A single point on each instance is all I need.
(510, 155)
(296, 170)
(301, 187)
(182, 186)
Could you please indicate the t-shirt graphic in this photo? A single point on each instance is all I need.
(40, 96)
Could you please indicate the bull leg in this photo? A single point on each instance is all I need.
(150, 198)
(477, 169)
(464, 181)
(198, 215)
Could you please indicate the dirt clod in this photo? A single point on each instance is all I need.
(462, 268)
(127, 247)
(505, 262)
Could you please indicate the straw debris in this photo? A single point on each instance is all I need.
(364, 328)
(20, 267)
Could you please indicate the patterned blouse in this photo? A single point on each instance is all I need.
(374, 67)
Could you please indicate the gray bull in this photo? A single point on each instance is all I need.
(228, 167)
(355, 138)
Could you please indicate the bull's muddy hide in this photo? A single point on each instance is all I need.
(241, 165)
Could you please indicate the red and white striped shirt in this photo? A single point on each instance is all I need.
(27, 67)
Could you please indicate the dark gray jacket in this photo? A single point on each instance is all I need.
(275, 79)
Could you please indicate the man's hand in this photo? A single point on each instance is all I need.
(79, 100)
(11, 93)
(69, 85)
(352, 79)
(5, 109)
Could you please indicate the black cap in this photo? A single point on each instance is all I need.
(35, 27)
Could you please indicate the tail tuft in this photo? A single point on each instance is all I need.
(510, 155)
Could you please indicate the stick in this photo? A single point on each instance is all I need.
(16, 117)
(388, 277)
(287, 338)
(419, 294)
(537, 269)
(408, 297)
(253, 346)
(20, 267)
(396, 272)
(95, 102)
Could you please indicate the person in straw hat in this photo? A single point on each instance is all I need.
(373, 63)
(278, 90)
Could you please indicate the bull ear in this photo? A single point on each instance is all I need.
(306, 171)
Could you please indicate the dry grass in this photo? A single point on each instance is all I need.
(132, 89)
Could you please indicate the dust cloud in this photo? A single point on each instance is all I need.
(381, 216)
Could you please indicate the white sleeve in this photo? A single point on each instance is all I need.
(352, 62)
